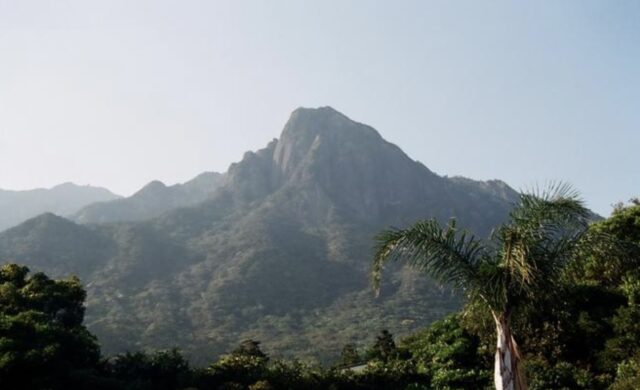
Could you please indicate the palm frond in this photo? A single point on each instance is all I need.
(535, 245)
(444, 253)
(551, 210)
(493, 284)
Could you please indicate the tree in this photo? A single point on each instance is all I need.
(521, 262)
(246, 364)
(384, 347)
(43, 343)
(249, 347)
(349, 356)
(616, 261)
(449, 355)
(160, 370)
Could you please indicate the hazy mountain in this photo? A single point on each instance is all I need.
(280, 252)
(152, 200)
(64, 199)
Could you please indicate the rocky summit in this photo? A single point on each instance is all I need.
(277, 249)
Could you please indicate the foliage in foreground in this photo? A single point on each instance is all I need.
(584, 336)
(512, 271)
(42, 339)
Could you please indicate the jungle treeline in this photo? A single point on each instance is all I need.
(582, 333)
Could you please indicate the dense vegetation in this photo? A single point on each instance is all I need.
(585, 334)
(514, 271)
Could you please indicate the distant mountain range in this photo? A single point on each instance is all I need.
(64, 199)
(277, 249)
(151, 201)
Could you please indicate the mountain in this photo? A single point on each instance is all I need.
(64, 199)
(280, 252)
(151, 201)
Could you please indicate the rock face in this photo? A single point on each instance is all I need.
(64, 199)
(151, 201)
(351, 164)
(279, 252)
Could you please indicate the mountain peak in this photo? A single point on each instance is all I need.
(152, 187)
(66, 184)
(45, 221)
(323, 117)
(324, 110)
(63, 199)
(307, 128)
(71, 189)
(288, 233)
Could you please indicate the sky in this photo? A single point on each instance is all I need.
(119, 93)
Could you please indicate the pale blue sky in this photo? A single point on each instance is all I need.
(117, 93)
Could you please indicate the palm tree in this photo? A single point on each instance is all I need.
(522, 261)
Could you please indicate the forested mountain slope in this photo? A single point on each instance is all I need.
(280, 252)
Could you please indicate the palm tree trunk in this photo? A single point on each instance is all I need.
(508, 373)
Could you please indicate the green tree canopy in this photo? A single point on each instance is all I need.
(523, 261)
(43, 343)
(613, 262)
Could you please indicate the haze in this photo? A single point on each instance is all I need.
(118, 93)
